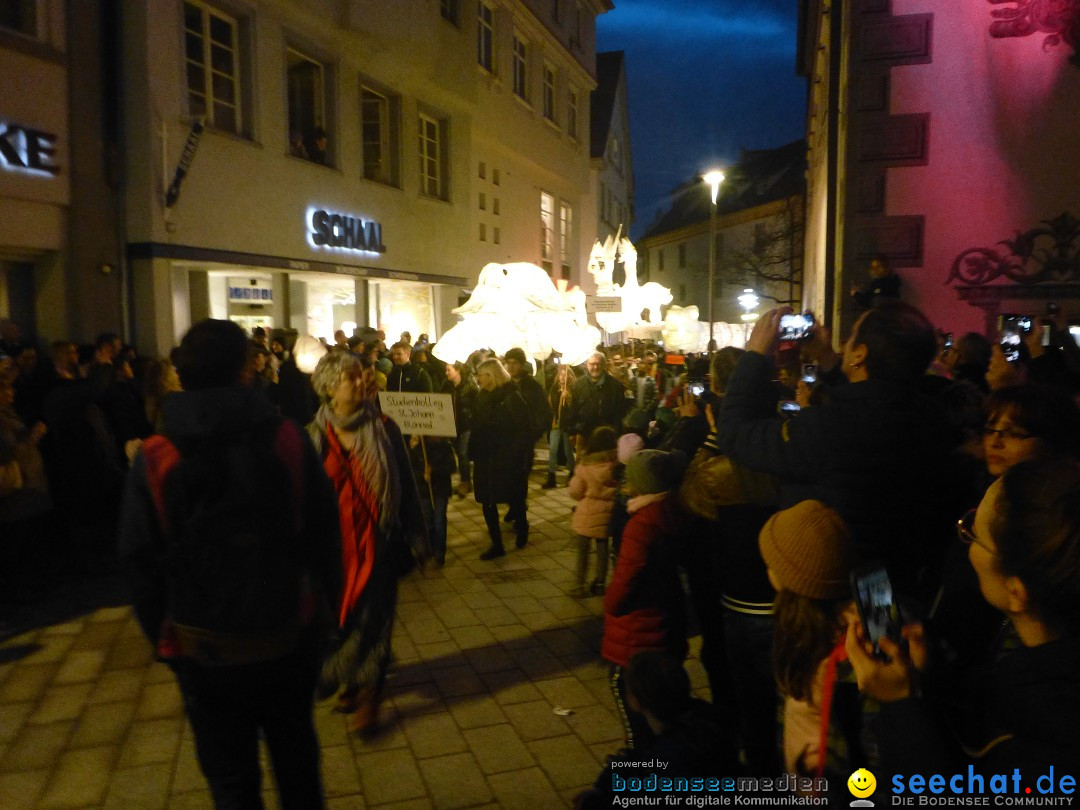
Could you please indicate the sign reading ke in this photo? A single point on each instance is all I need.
(420, 414)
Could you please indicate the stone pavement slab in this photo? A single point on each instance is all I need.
(484, 654)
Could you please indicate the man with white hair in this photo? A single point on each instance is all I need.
(598, 399)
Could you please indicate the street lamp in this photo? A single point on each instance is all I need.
(713, 178)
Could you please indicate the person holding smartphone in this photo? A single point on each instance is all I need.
(1022, 545)
(879, 452)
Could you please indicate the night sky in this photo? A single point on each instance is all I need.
(706, 78)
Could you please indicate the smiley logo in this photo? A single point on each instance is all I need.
(862, 783)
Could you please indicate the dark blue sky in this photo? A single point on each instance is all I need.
(706, 78)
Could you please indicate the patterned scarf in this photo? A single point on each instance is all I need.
(362, 475)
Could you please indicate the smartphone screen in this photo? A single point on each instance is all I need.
(696, 388)
(876, 604)
(789, 406)
(795, 327)
(809, 373)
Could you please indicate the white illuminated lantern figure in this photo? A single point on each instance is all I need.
(308, 351)
(517, 304)
(636, 298)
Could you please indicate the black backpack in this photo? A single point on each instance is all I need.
(230, 510)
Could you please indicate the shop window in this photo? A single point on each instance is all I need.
(572, 113)
(566, 224)
(549, 91)
(379, 117)
(20, 16)
(308, 137)
(485, 35)
(432, 150)
(212, 62)
(547, 231)
(450, 10)
(520, 67)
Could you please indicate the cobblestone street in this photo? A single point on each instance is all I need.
(485, 652)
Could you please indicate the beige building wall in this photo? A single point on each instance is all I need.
(247, 195)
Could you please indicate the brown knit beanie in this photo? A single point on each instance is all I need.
(808, 548)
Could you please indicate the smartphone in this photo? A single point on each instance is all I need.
(696, 387)
(796, 327)
(1021, 324)
(789, 406)
(1053, 308)
(1011, 331)
(876, 603)
(809, 373)
(948, 342)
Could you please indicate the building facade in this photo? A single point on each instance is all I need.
(758, 231)
(944, 136)
(612, 163)
(358, 163)
(35, 166)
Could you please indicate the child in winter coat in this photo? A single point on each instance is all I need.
(593, 484)
(644, 607)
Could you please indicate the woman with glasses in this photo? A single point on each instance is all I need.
(1025, 422)
(1024, 548)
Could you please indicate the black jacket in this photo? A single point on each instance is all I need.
(500, 445)
(409, 377)
(595, 404)
(536, 399)
(879, 454)
(1031, 712)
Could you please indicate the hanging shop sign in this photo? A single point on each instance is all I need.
(24, 149)
(255, 292)
(333, 230)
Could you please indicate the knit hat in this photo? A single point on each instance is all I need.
(637, 420)
(627, 445)
(652, 471)
(808, 548)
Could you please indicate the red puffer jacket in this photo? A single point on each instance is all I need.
(643, 608)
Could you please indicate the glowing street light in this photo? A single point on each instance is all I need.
(749, 302)
(713, 179)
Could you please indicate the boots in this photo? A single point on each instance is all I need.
(549, 482)
(491, 518)
(521, 530)
(366, 717)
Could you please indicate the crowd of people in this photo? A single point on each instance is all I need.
(879, 546)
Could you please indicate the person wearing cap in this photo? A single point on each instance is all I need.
(644, 605)
(810, 554)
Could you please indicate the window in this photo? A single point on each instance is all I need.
(483, 201)
(496, 236)
(616, 157)
(566, 222)
(555, 8)
(432, 153)
(682, 254)
(449, 10)
(547, 231)
(495, 176)
(495, 206)
(211, 50)
(307, 107)
(572, 113)
(660, 260)
(379, 117)
(549, 91)
(483, 232)
(603, 202)
(19, 15)
(485, 35)
(521, 73)
(482, 170)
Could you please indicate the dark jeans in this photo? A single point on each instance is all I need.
(464, 467)
(749, 641)
(227, 706)
(639, 735)
(435, 519)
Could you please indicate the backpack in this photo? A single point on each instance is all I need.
(230, 511)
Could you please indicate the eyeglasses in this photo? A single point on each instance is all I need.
(1006, 433)
(965, 530)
